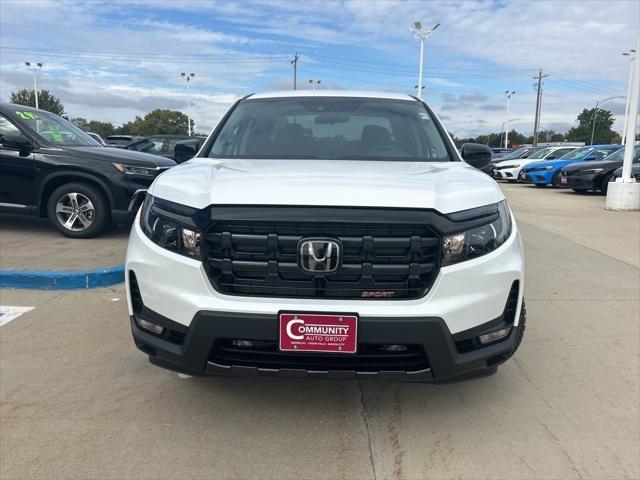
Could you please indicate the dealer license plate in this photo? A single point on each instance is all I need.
(311, 332)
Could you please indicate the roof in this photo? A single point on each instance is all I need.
(332, 93)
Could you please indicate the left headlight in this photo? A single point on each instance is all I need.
(135, 170)
(164, 230)
(477, 241)
(540, 169)
(592, 171)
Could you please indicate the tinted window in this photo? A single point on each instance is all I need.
(330, 128)
(619, 155)
(54, 129)
(149, 145)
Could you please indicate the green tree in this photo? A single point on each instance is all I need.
(46, 100)
(167, 122)
(602, 133)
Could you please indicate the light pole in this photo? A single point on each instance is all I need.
(595, 115)
(315, 83)
(188, 78)
(631, 56)
(506, 125)
(421, 35)
(35, 69)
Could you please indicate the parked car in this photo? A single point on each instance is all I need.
(635, 172)
(497, 153)
(522, 152)
(51, 168)
(547, 172)
(163, 145)
(121, 141)
(187, 149)
(594, 175)
(97, 138)
(334, 234)
(510, 169)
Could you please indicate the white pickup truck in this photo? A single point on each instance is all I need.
(328, 234)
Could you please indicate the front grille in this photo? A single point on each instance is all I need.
(260, 258)
(369, 358)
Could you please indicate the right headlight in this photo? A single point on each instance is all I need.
(167, 232)
(477, 241)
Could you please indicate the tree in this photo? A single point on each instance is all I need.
(602, 134)
(167, 122)
(46, 100)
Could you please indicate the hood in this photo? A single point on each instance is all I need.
(443, 186)
(548, 163)
(130, 157)
(606, 164)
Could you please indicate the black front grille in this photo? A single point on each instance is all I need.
(369, 358)
(380, 260)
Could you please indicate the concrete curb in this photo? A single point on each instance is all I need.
(61, 279)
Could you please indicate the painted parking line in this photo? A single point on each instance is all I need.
(8, 313)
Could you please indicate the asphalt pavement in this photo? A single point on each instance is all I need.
(79, 401)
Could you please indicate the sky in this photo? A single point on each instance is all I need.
(113, 60)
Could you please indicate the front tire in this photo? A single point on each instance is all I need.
(605, 184)
(78, 210)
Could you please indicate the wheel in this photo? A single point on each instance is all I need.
(78, 210)
(605, 184)
(522, 324)
(555, 180)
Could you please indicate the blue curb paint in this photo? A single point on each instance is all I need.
(61, 279)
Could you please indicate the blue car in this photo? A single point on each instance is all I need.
(547, 172)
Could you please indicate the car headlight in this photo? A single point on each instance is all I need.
(135, 170)
(540, 169)
(168, 233)
(477, 241)
(592, 170)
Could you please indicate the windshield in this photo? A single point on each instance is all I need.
(515, 154)
(618, 156)
(54, 129)
(331, 128)
(576, 154)
(540, 154)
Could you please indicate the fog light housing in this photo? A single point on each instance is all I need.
(494, 336)
(147, 325)
(242, 343)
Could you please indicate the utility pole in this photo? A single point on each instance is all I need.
(422, 36)
(294, 62)
(536, 123)
(506, 125)
(35, 76)
(188, 78)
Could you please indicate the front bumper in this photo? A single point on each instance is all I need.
(204, 348)
(579, 182)
(510, 174)
(539, 177)
(465, 297)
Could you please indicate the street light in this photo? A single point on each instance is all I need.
(188, 78)
(506, 126)
(315, 83)
(595, 114)
(631, 56)
(35, 69)
(421, 35)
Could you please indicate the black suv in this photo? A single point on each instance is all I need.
(51, 168)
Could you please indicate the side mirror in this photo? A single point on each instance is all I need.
(186, 149)
(16, 142)
(590, 157)
(476, 154)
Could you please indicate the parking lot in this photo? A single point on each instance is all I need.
(78, 400)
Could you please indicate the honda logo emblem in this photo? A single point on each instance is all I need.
(319, 255)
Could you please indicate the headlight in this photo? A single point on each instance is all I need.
(167, 232)
(540, 169)
(592, 170)
(135, 170)
(479, 240)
